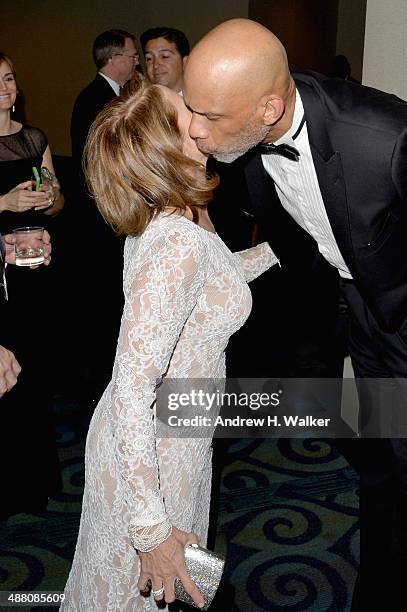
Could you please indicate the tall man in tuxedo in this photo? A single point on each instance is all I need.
(333, 159)
(116, 58)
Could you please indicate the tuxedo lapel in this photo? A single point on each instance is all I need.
(260, 185)
(328, 167)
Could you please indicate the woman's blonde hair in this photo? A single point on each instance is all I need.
(134, 164)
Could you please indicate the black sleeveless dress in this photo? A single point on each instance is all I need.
(30, 471)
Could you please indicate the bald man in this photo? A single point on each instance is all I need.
(330, 156)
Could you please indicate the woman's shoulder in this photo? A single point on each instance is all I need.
(35, 136)
(174, 227)
(164, 223)
(169, 231)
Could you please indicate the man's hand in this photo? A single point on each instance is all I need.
(9, 240)
(9, 370)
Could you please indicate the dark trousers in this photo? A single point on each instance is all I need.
(379, 361)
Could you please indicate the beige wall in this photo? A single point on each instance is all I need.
(385, 57)
(51, 40)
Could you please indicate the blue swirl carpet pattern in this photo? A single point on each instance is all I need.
(286, 521)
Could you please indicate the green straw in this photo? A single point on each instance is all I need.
(37, 178)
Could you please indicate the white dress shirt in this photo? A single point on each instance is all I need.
(297, 187)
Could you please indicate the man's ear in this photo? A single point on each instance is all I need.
(184, 61)
(273, 109)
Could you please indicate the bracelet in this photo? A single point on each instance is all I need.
(144, 540)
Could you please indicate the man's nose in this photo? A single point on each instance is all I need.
(156, 61)
(197, 128)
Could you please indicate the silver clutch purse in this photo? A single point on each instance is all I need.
(205, 568)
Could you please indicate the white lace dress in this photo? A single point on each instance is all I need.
(185, 295)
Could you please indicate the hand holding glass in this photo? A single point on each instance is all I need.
(29, 246)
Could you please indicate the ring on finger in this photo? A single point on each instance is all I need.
(158, 592)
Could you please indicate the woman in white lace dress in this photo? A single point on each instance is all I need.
(185, 294)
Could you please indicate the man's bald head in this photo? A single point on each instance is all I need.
(238, 73)
(241, 53)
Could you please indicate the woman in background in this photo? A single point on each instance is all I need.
(27, 438)
(21, 148)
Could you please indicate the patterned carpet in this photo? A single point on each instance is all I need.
(287, 523)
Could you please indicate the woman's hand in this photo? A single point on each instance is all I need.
(47, 167)
(167, 562)
(21, 198)
(55, 199)
(50, 193)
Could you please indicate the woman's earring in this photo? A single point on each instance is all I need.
(13, 108)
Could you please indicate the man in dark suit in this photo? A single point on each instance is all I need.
(326, 160)
(116, 58)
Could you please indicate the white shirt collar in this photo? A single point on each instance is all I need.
(287, 138)
(115, 86)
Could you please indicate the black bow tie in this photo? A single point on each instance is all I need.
(283, 149)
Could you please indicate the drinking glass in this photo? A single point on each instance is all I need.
(29, 246)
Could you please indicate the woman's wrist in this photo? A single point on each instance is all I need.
(57, 203)
(146, 539)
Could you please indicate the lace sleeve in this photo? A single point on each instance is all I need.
(159, 298)
(256, 260)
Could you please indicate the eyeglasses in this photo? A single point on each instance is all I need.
(133, 56)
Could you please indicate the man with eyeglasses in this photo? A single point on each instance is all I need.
(116, 59)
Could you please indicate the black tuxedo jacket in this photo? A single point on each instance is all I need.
(358, 140)
(88, 104)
